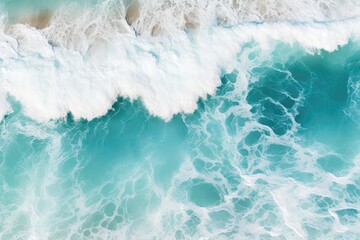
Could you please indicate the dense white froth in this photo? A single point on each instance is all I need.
(87, 57)
(154, 17)
(74, 24)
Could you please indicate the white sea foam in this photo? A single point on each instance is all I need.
(5, 106)
(82, 62)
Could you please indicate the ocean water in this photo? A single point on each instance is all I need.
(181, 120)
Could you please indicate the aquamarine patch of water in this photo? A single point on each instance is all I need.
(19, 8)
(272, 158)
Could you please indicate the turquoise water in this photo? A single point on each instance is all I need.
(18, 8)
(13, 5)
(273, 153)
(274, 158)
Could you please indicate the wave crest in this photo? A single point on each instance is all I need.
(168, 53)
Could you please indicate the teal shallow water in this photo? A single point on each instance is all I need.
(14, 5)
(275, 158)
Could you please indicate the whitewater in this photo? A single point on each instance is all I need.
(180, 119)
